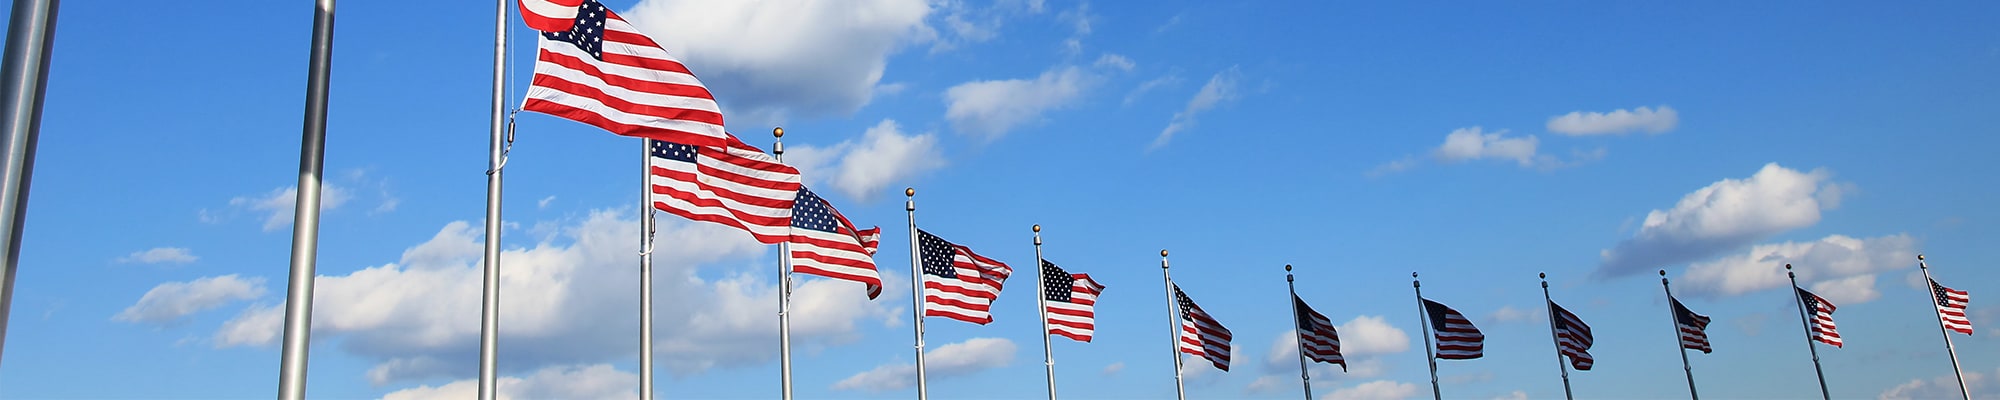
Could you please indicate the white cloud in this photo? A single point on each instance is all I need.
(1516, 395)
(883, 156)
(1725, 215)
(1372, 335)
(1468, 144)
(767, 59)
(992, 108)
(1114, 61)
(1167, 80)
(599, 381)
(160, 255)
(1849, 290)
(1114, 368)
(277, 206)
(1842, 267)
(169, 302)
(544, 202)
(1944, 387)
(1579, 123)
(956, 359)
(1220, 88)
(1508, 313)
(1375, 390)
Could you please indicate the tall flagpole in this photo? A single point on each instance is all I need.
(489, 323)
(1173, 319)
(1430, 353)
(1675, 318)
(1042, 302)
(916, 288)
(1801, 303)
(305, 211)
(24, 75)
(646, 228)
(1299, 342)
(1948, 349)
(784, 291)
(1550, 304)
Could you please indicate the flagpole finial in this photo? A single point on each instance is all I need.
(1920, 257)
(1545, 280)
(1288, 268)
(778, 132)
(1413, 280)
(1038, 228)
(1663, 272)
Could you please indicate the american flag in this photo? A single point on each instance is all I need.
(825, 243)
(1694, 327)
(1457, 339)
(958, 283)
(1201, 335)
(549, 15)
(738, 186)
(1317, 338)
(1572, 337)
(1821, 313)
(602, 71)
(1071, 301)
(1951, 307)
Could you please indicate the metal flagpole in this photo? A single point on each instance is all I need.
(1801, 303)
(1675, 318)
(1173, 319)
(1550, 305)
(1430, 353)
(784, 290)
(489, 328)
(24, 74)
(1948, 349)
(646, 228)
(1304, 377)
(305, 211)
(916, 288)
(1042, 301)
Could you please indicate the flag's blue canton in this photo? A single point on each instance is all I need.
(1938, 292)
(588, 33)
(810, 212)
(1304, 315)
(1685, 316)
(1187, 305)
(937, 255)
(674, 151)
(1437, 312)
(1056, 283)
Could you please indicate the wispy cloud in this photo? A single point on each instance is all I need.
(1221, 88)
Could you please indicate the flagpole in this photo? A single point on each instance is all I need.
(489, 326)
(1042, 302)
(305, 216)
(646, 228)
(1304, 377)
(25, 69)
(784, 290)
(916, 288)
(1430, 353)
(1948, 349)
(1549, 304)
(1174, 320)
(1675, 318)
(1807, 324)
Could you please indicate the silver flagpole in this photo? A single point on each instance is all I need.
(1430, 353)
(1675, 318)
(1042, 302)
(24, 75)
(916, 288)
(784, 291)
(1550, 305)
(1803, 321)
(1174, 320)
(305, 211)
(1305, 378)
(646, 228)
(1948, 349)
(489, 328)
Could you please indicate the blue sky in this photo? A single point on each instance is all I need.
(1477, 144)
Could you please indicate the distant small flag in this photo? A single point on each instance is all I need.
(958, 283)
(1820, 313)
(1317, 338)
(1951, 307)
(738, 186)
(1201, 335)
(549, 15)
(1572, 337)
(1694, 327)
(1071, 300)
(1457, 339)
(600, 70)
(825, 243)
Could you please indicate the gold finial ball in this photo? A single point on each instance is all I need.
(1663, 272)
(778, 132)
(909, 191)
(1413, 274)
(1288, 268)
(1920, 257)
(1545, 275)
(1163, 252)
(1038, 227)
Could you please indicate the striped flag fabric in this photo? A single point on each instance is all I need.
(1317, 338)
(602, 71)
(1457, 339)
(549, 15)
(1201, 334)
(1820, 315)
(958, 283)
(737, 186)
(1071, 301)
(1572, 337)
(1694, 327)
(825, 243)
(1951, 307)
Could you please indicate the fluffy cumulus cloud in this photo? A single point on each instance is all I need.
(991, 108)
(1220, 89)
(171, 301)
(1468, 144)
(1838, 267)
(1642, 119)
(160, 255)
(884, 155)
(1372, 335)
(1362, 340)
(593, 382)
(569, 300)
(1945, 387)
(1375, 390)
(766, 59)
(956, 359)
(1724, 216)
